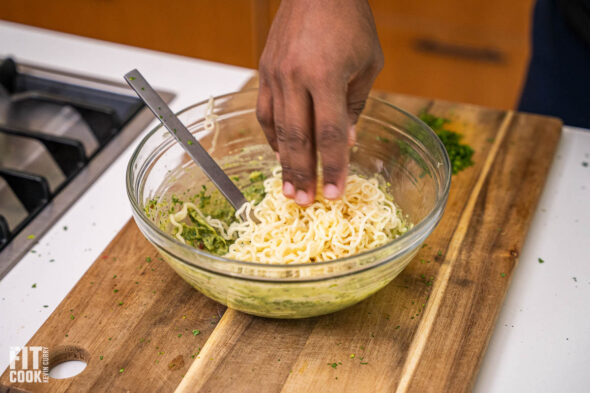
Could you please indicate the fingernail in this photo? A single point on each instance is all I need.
(331, 191)
(288, 189)
(302, 198)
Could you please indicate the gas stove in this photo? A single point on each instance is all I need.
(58, 133)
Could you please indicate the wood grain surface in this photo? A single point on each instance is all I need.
(427, 331)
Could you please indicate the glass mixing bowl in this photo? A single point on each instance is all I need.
(405, 155)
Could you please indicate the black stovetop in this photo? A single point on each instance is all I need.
(58, 132)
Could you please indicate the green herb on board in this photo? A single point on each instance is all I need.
(196, 332)
(541, 260)
(460, 154)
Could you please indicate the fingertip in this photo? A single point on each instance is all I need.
(303, 198)
(288, 190)
(331, 191)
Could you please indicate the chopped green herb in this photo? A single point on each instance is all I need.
(541, 260)
(31, 237)
(196, 332)
(503, 274)
(115, 290)
(584, 163)
(439, 253)
(148, 259)
(333, 365)
(121, 370)
(65, 227)
(179, 334)
(34, 285)
(45, 306)
(189, 142)
(131, 78)
(459, 154)
(115, 276)
(101, 357)
(363, 363)
(352, 355)
(256, 176)
(120, 303)
(72, 317)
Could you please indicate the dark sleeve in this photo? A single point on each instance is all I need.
(577, 16)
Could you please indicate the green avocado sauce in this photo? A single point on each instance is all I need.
(198, 233)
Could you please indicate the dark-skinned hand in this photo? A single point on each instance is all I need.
(319, 63)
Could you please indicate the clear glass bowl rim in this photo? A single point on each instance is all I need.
(417, 232)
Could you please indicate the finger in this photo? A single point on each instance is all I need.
(279, 131)
(298, 144)
(357, 94)
(351, 136)
(331, 137)
(264, 114)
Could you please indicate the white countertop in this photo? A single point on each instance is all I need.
(542, 339)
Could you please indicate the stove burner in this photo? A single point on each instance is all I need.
(53, 127)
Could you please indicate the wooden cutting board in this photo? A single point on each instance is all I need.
(141, 328)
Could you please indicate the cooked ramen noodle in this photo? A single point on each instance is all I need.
(363, 219)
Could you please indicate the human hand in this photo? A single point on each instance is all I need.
(317, 68)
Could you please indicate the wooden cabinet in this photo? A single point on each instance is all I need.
(462, 50)
(230, 32)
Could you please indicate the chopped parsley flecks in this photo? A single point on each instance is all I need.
(460, 154)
